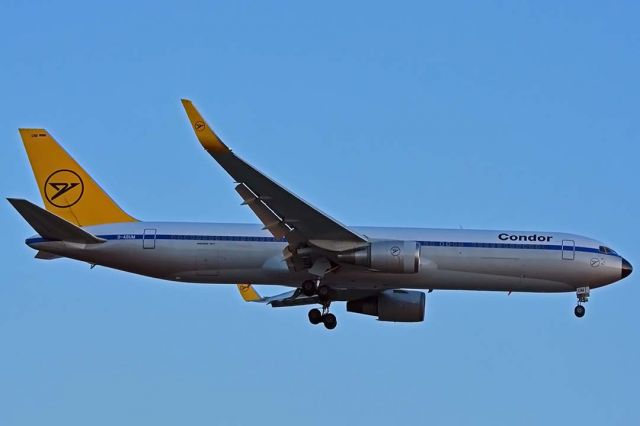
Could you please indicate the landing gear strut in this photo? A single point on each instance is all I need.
(583, 297)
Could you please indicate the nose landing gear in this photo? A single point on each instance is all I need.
(583, 297)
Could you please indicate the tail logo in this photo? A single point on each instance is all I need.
(199, 126)
(63, 188)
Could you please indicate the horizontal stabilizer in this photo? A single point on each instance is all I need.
(50, 226)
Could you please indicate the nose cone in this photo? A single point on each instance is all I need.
(626, 268)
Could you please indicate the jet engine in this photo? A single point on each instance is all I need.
(396, 257)
(392, 305)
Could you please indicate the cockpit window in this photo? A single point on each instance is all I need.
(607, 250)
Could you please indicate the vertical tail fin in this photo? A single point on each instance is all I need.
(66, 188)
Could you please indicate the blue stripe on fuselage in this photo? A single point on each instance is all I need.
(182, 237)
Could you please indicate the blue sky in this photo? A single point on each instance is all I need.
(516, 115)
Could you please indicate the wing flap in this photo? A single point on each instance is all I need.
(271, 221)
(297, 298)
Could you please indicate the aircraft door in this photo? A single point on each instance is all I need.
(149, 239)
(568, 249)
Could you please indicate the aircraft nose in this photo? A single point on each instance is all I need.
(626, 268)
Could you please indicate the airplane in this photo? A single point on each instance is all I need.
(377, 271)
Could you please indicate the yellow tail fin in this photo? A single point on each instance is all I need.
(67, 190)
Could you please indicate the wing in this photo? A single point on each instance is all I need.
(284, 214)
(297, 298)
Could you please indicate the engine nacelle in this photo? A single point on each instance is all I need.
(392, 305)
(395, 257)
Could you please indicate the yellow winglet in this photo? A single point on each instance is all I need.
(248, 293)
(205, 134)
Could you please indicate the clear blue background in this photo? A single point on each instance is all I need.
(497, 114)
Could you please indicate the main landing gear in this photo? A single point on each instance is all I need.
(583, 297)
(311, 288)
(328, 319)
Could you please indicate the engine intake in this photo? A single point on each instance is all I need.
(396, 257)
(392, 305)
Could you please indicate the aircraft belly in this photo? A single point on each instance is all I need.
(446, 280)
(219, 262)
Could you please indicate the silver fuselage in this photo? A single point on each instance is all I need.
(449, 259)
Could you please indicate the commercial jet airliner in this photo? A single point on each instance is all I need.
(376, 271)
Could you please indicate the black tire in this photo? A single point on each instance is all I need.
(579, 311)
(315, 316)
(308, 288)
(323, 293)
(329, 321)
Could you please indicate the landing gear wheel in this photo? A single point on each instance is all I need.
(579, 311)
(309, 288)
(315, 316)
(323, 292)
(329, 321)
